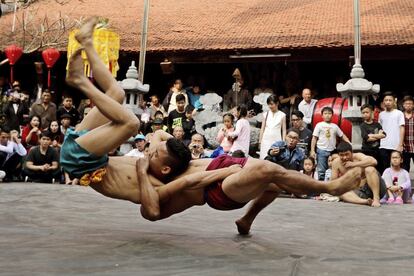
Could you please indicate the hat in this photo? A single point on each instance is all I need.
(139, 137)
(157, 121)
(65, 116)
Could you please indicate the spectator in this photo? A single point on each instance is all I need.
(392, 121)
(68, 108)
(372, 186)
(147, 150)
(42, 162)
(328, 172)
(408, 153)
(397, 180)
(65, 123)
(241, 135)
(145, 116)
(371, 132)
(170, 99)
(263, 88)
(56, 135)
(31, 132)
(178, 133)
(305, 134)
(222, 135)
(156, 125)
(156, 106)
(238, 95)
(14, 111)
(324, 140)
(286, 153)
(188, 123)
(140, 142)
(44, 108)
(11, 154)
(309, 167)
(197, 146)
(307, 106)
(273, 126)
(194, 95)
(177, 116)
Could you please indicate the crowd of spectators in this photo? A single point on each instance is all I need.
(32, 134)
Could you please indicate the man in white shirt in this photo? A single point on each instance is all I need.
(306, 106)
(11, 154)
(139, 147)
(393, 123)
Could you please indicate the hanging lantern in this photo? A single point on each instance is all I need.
(106, 44)
(13, 53)
(50, 56)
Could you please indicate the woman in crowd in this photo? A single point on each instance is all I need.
(241, 135)
(56, 135)
(273, 126)
(31, 132)
(222, 135)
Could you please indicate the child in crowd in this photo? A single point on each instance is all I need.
(56, 135)
(225, 143)
(241, 135)
(324, 140)
(309, 167)
(160, 116)
(328, 172)
(188, 123)
(177, 116)
(371, 132)
(68, 108)
(194, 96)
(397, 180)
(31, 132)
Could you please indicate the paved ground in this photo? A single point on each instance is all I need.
(65, 230)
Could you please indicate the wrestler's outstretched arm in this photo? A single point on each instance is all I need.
(151, 197)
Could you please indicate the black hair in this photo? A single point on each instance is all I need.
(298, 114)
(229, 115)
(344, 147)
(367, 106)
(238, 154)
(327, 108)
(146, 145)
(179, 156)
(408, 98)
(189, 108)
(67, 96)
(311, 159)
(46, 91)
(272, 99)
(158, 112)
(45, 133)
(399, 153)
(292, 129)
(243, 110)
(388, 93)
(5, 129)
(179, 98)
(30, 119)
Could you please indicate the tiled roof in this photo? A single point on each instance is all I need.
(209, 25)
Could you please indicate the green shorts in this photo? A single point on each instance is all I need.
(77, 161)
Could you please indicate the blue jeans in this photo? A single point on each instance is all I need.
(322, 160)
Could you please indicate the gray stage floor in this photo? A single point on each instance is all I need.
(65, 230)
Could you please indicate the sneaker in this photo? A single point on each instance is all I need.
(398, 201)
(2, 175)
(390, 201)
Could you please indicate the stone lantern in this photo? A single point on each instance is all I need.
(357, 90)
(134, 91)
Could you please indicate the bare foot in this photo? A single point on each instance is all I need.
(375, 203)
(369, 202)
(345, 183)
(75, 181)
(243, 227)
(75, 75)
(86, 31)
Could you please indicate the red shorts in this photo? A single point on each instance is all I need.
(213, 194)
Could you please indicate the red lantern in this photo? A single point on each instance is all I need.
(50, 56)
(13, 53)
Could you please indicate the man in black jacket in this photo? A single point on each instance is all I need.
(14, 111)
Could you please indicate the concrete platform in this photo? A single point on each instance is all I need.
(65, 230)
